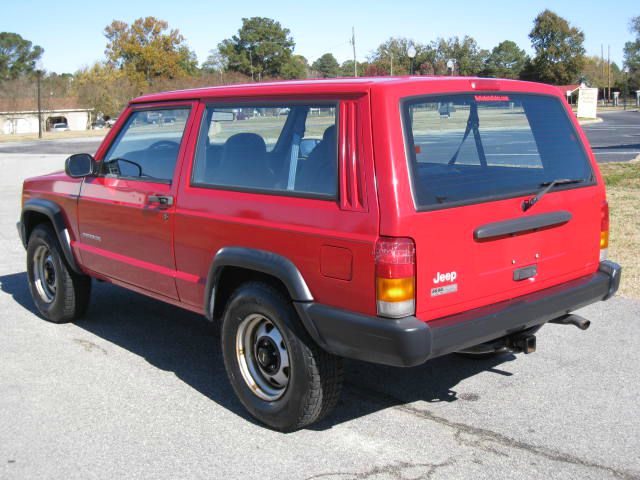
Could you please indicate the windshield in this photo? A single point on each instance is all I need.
(468, 148)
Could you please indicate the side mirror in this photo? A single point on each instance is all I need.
(80, 165)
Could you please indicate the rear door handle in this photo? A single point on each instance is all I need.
(163, 200)
(521, 225)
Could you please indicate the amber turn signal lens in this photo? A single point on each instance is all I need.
(604, 239)
(395, 289)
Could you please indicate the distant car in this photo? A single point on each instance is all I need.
(98, 125)
(60, 127)
(153, 118)
(111, 122)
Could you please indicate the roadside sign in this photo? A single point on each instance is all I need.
(587, 102)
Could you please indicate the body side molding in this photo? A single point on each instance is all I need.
(258, 260)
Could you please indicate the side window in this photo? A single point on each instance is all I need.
(288, 148)
(147, 146)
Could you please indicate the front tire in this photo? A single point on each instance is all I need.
(281, 376)
(60, 294)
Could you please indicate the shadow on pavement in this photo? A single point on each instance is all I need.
(182, 342)
(15, 284)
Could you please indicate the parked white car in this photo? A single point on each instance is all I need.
(60, 127)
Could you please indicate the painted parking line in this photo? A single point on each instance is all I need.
(613, 127)
(607, 152)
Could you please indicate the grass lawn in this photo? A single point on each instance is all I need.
(623, 193)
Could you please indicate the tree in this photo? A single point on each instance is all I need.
(346, 68)
(215, 63)
(430, 62)
(147, 50)
(506, 60)
(296, 67)
(394, 52)
(559, 49)
(632, 54)
(469, 58)
(595, 72)
(326, 66)
(18, 56)
(104, 87)
(262, 47)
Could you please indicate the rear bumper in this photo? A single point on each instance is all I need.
(408, 341)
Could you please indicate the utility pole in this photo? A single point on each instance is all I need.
(353, 43)
(411, 53)
(609, 70)
(39, 77)
(251, 63)
(602, 65)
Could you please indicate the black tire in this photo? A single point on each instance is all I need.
(314, 380)
(60, 294)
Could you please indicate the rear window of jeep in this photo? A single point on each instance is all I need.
(469, 148)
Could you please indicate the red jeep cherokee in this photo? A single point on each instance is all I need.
(391, 220)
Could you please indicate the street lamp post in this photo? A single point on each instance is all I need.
(451, 65)
(38, 81)
(411, 52)
(625, 88)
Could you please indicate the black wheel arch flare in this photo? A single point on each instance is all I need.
(262, 261)
(54, 213)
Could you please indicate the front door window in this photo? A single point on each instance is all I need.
(147, 146)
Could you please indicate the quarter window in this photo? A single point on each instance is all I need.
(284, 148)
(147, 146)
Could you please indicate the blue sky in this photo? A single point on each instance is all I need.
(71, 31)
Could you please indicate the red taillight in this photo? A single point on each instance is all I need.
(604, 230)
(395, 276)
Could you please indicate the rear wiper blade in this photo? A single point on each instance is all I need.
(527, 204)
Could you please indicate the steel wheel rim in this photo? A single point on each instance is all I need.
(263, 357)
(44, 274)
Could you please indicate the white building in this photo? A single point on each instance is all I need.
(18, 115)
(27, 121)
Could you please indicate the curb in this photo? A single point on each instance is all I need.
(588, 121)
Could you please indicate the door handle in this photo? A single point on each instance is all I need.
(163, 200)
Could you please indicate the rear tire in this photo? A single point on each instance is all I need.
(60, 294)
(281, 376)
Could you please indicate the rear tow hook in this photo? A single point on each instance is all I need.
(573, 319)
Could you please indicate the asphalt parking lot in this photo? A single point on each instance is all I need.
(137, 389)
(616, 138)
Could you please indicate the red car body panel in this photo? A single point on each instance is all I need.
(444, 238)
(167, 252)
(210, 219)
(61, 189)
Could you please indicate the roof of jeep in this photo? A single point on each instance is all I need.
(346, 86)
